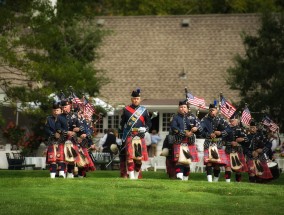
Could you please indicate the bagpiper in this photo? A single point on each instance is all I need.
(183, 126)
(234, 150)
(67, 126)
(83, 161)
(214, 128)
(52, 148)
(256, 157)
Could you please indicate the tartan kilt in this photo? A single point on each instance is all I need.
(60, 156)
(51, 154)
(192, 150)
(129, 149)
(266, 173)
(90, 166)
(224, 160)
(243, 161)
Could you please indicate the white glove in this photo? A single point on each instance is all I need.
(142, 130)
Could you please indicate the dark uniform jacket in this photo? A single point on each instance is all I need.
(126, 115)
(210, 124)
(181, 123)
(49, 126)
(234, 133)
(256, 141)
(65, 123)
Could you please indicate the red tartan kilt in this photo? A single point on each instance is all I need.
(60, 156)
(266, 173)
(192, 150)
(91, 165)
(224, 160)
(75, 147)
(129, 149)
(243, 161)
(51, 154)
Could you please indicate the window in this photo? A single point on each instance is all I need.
(113, 122)
(99, 125)
(167, 117)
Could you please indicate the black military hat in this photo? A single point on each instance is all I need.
(234, 116)
(56, 105)
(65, 102)
(183, 102)
(135, 93)
(212, 106)
(253, 123)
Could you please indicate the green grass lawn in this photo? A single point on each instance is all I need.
(103, 192)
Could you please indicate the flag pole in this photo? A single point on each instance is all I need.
(220, 102)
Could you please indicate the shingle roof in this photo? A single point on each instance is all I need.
(158, 55)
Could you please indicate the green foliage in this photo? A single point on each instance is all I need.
(52, 50)
(2, 120)
(259, 74)
(103, 192)
(177, 7)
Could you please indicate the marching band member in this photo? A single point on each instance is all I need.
(135, 121)
(67, 126)
(213, 128)
(183, 127)
(52, 144)
(83, 160)
(255, 155)
(234, 150)
(168, 153)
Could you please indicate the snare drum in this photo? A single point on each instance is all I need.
(274, 169)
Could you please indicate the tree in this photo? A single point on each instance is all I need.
(52, 51)
(176, 7)
(259, 73)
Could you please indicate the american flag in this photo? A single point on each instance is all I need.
(76, 100)
(88, 109)
(246, 117)
(199, 102)
(227, 109)
(269, 123)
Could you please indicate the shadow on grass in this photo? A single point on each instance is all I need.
(147, 175)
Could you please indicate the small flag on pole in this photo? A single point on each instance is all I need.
(246, 116)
